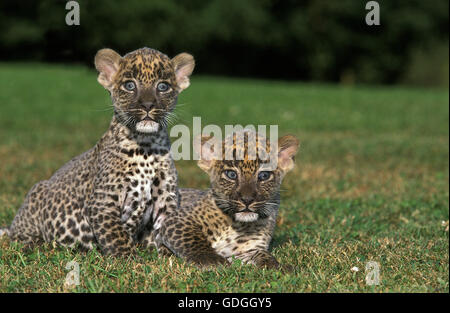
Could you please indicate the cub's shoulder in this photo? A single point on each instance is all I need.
(76, 166)
(189, 194)
(194, 198)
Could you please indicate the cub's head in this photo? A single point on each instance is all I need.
(144, 85)
(244, 179)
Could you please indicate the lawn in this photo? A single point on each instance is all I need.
(371, 183)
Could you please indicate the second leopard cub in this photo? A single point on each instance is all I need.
(237, 215)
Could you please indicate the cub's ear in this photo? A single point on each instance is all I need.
(207, 148)
(107, 64)
(287, 148)
(184, 65)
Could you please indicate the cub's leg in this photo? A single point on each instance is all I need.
(165, 200)
(164, 251)
(104, 216)
(164, 192)
(25, 225)
(147, 242)
(189, 243)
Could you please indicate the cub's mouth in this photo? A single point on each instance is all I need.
(246, 216)
(147, 125)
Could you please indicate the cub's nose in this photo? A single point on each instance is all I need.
(147, 106)
(247, 200)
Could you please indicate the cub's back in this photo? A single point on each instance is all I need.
(191, 198)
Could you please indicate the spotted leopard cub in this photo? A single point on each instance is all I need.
(237, 215)
(115, 194)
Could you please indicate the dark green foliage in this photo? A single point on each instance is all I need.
(318, 40)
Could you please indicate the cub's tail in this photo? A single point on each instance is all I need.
(4, 231)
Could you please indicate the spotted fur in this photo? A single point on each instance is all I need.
(235, 217)
(115, 194)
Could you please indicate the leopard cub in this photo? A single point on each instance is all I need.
(115, 194)
(236, 217)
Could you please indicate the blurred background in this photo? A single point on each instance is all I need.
(315, 40)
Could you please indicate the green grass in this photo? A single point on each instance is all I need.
(370, 183)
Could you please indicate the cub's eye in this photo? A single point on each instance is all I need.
(162, 87)
(231, 174)
(129, 85)
(264, 175)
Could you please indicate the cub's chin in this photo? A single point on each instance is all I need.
(246, 217)
(147, 126)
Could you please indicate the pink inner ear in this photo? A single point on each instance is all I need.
(285, 156)
(182, 76)
(208, 150)
(109, 69)
(183, 71)
(287, 153)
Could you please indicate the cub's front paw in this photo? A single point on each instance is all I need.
(207, 259)
(164, 251)
(287, 268)
(273, 264)
(270, 263)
